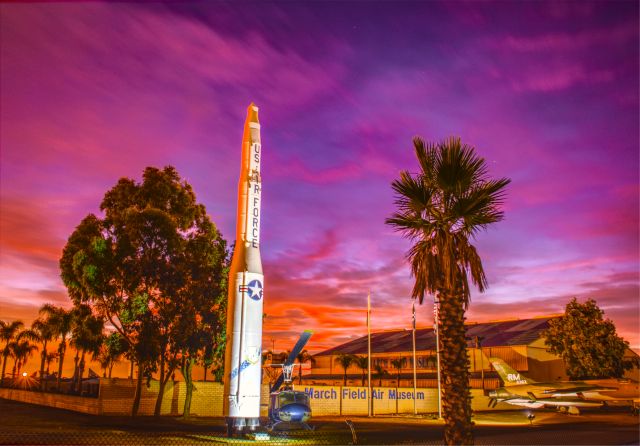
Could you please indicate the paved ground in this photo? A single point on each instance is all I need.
(27, 424)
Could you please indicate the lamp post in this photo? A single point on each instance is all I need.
(370, 397)
(479, 345)
(413, 312)
(436, 319)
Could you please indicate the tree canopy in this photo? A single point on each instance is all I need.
(153, 267)
(587, 342)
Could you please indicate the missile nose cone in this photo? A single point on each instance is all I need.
(252, 113)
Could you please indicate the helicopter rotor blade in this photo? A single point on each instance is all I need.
(304, 338)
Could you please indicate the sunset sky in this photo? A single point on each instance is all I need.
(546, 92)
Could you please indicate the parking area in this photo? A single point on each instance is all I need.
(28, 424)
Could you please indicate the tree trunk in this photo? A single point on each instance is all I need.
(80, 373)
(43, 359)
(75, 370)
(156, 411)
(62, 348)
(4, 364)
(454, 364)
(205, 372)
(110, 369)
(187, 368)
(131, 370)
(138, 393)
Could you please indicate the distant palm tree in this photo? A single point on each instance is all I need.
(363, 364)
(50, 358)
(303, 357)
(21, 351)
(380, 372)
(46, 332)
(397, 364)
(62, 321)
(8, 332)
(345, 360)
(441, 209)
(86, 337)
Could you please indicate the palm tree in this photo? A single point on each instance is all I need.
(8, 332)
(397, 364)
(46, 332)
(441, 209)
(363, 364)
(303, 357)
(86, 337)
(21, 351)
(380, 372)
(345, 360)
(61, 320)
(50, 357)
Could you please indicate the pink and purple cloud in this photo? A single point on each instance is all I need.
(547, 93)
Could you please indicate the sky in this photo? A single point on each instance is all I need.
(547, 93)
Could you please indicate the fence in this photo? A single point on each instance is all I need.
(115, 397)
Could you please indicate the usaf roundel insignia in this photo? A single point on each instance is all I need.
(254, 289)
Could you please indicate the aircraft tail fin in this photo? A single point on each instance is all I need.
(509, 375)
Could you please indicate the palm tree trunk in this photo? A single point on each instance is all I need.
(206, 367)
(75, 369)
(454, 363)
(131, 370)
(43, 359)
(80, 372)
(5, 355)
(62, 348)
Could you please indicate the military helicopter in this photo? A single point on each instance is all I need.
(287, 405)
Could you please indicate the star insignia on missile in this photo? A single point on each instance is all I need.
(254, 289)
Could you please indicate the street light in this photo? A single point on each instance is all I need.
(436, 319)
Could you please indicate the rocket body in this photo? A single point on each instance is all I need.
(243, 354)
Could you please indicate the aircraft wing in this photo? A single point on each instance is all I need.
(572, 390)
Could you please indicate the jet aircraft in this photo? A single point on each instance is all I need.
(520, 390)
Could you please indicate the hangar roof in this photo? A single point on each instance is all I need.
(491, 334)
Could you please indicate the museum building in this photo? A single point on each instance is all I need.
(519, 342)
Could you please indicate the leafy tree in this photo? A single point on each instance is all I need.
(112, 349)
(345, 360)
(363, 364)
(8, 333)
(441, 209)
(136, 266)
(586, 342)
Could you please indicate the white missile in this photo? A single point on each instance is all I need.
(243, 354)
